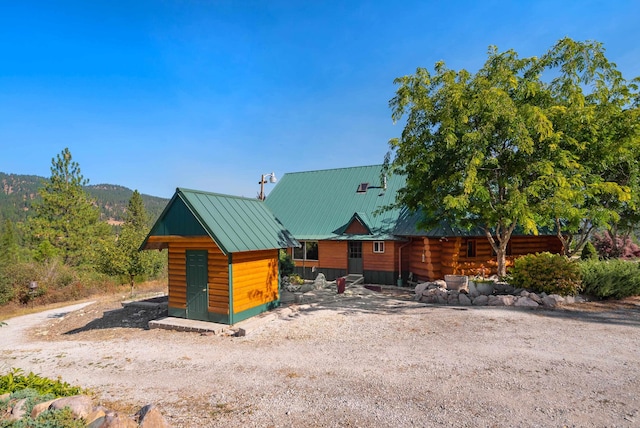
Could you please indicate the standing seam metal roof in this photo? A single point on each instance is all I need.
(236, 224)
(317, 204)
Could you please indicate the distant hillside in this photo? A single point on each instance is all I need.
(18, 192)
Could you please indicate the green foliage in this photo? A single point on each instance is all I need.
(36, 389)
(56, 282)
(519, 143)
(295, 279)
(67, 217)
(546, 272)
(51, 419)
(286, 263)
(610, 278)
(121, 256)
(588, 252)
(16, 380)
(111, 199)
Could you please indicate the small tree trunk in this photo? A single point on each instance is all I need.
(500, 247)
(132, 283)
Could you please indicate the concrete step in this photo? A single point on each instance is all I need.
(353, 279)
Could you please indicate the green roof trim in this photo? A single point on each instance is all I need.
(236, 224)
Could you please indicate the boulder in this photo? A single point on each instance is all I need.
(552, 300)
(440, 283)
(150, 417)
(320, 282)
(117, 421)
(420, 288)
(453, 298)
(464, 299)
(96, 418)
(526, 302)
(501, 300)
(18, 410)
(481, 300)
(535, 298)
(473, 291)
(81, 405)
(40, 407)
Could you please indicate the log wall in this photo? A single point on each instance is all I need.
(217, 266)
(255, 279)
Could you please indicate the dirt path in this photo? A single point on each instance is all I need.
(366, 360)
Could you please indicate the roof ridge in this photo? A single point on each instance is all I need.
(335, 169)
(204, 192)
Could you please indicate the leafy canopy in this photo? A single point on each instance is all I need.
(504, 147)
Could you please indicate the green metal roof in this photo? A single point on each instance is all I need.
(236, 224)
(321, 204)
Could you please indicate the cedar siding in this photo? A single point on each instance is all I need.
(445, 256)
(218, 273)
(255, 279)
(240, 239)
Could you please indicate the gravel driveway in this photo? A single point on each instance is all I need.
(358, 361)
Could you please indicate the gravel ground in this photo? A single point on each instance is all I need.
(370, 360)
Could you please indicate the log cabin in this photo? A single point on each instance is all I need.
(223, 255)
(337, 215)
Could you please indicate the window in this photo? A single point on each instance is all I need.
(312, 250)
(362, 188)
(308, 251)
(378, 246)
(355, 249)
(471, 248)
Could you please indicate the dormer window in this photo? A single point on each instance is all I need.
(362, 188)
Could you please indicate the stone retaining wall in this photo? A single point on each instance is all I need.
(503, 294)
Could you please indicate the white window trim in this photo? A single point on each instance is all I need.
(379, 245)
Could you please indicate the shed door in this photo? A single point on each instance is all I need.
(197, 293)
(355, 257)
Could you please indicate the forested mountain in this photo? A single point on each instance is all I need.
(18, 192)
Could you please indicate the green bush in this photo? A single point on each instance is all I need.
(286, 264)
(36, 389)
(546, 272)
(611, 278)
(48, 419)
(16, 380)
(589, 252)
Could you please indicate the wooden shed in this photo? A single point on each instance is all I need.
(223, 255)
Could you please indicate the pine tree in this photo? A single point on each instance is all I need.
(121, 256)
(9, 246)
(67, 219)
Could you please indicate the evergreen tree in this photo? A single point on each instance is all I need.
(9, 245)
(67, 219)
(121, 256)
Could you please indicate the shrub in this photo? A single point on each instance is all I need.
(286, 264)
(546, 272)
(625, 248)
(588, 252)
(611, 278)
(15, 380)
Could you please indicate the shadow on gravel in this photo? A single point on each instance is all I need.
(134, 316)
(627, 316)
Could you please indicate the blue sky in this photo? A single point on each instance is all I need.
(209, 95)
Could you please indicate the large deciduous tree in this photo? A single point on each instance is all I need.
(501, 148)
(67, 221)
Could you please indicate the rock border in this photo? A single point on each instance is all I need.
(436, 292)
